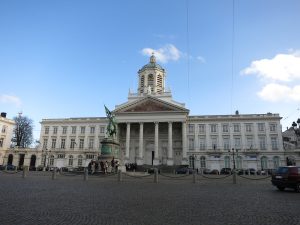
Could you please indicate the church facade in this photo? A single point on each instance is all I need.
(153, 129)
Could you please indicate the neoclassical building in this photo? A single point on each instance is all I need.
(6, 133)
(154, 129)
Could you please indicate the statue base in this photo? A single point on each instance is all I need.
(110, 149)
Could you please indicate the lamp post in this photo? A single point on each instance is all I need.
(233, 152)
(194, 157)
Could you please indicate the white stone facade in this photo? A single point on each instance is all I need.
(6, 134)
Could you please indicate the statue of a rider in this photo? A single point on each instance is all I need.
(111, 130)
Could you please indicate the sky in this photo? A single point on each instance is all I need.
(61, 59)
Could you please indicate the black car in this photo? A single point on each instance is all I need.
(184, 170)
(226, 171)
(287, 177)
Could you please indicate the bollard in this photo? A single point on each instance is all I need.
(25, 169)
(119, 175)
(16, 168)
(234, 177)
(54, 173)
(86, 174)
(249, 172)
(194, 177)
(155, 175)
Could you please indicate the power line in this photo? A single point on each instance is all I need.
(188, 47)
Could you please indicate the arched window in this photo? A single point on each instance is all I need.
(142, 84)
(239, 162)
(151, 81)
(70, 160)
(264, 162)
(51, 161)
(275, 162)
(202, 162)
(192, 161)
(80, 160)
(159, 83)
(227, 162)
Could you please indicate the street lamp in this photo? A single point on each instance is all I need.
(233, 152)
(194, 157)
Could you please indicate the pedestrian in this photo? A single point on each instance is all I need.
(105, 166)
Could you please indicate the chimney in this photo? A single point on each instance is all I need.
(3, 114)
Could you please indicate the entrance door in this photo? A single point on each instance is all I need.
(10, 159)
(148, 153)
(32, 161)
(21, 161)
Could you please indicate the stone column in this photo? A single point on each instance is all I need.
(156, 160)
(127, 142)
(141, 144)
(184, 149)
(170, 161)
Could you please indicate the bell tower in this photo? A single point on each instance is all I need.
(151, 78)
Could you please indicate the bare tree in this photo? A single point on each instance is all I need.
(23, 136)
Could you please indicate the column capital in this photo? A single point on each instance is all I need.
(141, 123)
(170, 122)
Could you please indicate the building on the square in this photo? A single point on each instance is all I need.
(6, 133)
(291, 145)
(153, 129)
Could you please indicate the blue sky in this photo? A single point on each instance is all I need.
(67, 58)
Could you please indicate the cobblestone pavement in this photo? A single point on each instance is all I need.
(38, 199)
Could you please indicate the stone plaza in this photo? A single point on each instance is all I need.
(37, 199)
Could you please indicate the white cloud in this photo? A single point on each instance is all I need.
(10, 99)
(201, 59)
(277, 92)
(165, 54)
(283, 67)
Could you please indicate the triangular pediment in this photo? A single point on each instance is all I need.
(150, 104)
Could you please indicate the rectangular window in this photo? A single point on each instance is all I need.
(46, 130)
(73, 130)
(63, 143)
(191, 128)
(202, 144)
(3, 129)
(82, 130)
(53, 145)
(191, 143)
(72, 145)
(1, 142)
(60, 156)
(262, 143)
(236, 128)
(225, 128)
(89, 156)
(201, 128)
(54, 130)
(272, 127)
(91, 143)
(226, 143)
(45, 142)
(92, 130)
(102, 130)
(261, 127)
(214, 143)
(248, 127)
(213, 128)
(81, 143)
(64, 131)
(274, 143)
(237, 143)
(249, 143)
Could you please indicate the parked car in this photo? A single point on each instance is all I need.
(287, 177)
(226, 171)
(2, 167)
(184, 170)
(261, 172)
(10, 167)
(206, 171)
(214, 172)
(252, 171)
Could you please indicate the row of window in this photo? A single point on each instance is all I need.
(70, 159)
(73, 143)
(1, 142)
(236, 127)
(82, 129)
(238, 162)
(237, 143)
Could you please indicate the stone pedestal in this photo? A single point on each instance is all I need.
(170, 162)
(110, 148)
